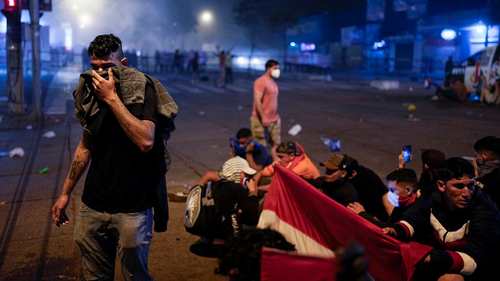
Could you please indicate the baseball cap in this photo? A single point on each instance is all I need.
(234, 166)
(333, 163)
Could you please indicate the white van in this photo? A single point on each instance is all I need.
(480, 65)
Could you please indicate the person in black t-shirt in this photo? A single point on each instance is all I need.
(372, 192)
(127, 165)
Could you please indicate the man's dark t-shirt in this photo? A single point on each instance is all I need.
(491, 183)
(370, 189)
(341, 191)
(121, 178)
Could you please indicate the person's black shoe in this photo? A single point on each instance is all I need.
(205, 249)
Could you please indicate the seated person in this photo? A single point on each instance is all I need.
(333, 184)
(403, 193)
(227, 172)
(246, 147)
(224, 207)
(292, 157)
(488, 166)
(372, 192)
(459, 221)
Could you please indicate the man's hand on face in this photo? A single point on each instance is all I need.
(105, 89)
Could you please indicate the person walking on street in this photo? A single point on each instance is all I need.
(265, 121)
(121, 112)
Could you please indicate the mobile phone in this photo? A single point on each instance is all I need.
(407, 153)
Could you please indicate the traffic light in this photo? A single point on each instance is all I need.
(11, 5)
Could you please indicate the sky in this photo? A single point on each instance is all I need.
(146, 25)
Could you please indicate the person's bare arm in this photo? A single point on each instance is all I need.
(257, 99)
(80, 162)
(208, 176)
(140, 132)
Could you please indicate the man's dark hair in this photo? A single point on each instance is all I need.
(403, 175)
(104, 45)
(433, 158)
(349, 165)
(454, 168)
(288, 147)
(270, 63)
(489, 143)
(243, 133)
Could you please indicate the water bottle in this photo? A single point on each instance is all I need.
(3, 153)
(332, 144)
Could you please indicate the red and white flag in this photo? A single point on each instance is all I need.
(317, 225)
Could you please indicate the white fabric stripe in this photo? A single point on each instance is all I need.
(469, 264)
(304, 244)
(449, 236)
(409, 226)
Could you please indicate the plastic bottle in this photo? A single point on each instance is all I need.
(332, 144)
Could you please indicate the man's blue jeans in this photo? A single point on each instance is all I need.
(101, 236)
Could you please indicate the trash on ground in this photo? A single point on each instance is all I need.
(49, 134)
(29, 127)
(295, 130)
(410, 89)
(17, 152)
(3, 203)
(240, 108)
(1, 118)
(43, 171)
(385, 84)
(332, 143)
(201, 113)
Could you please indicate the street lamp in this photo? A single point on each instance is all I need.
(206, 17)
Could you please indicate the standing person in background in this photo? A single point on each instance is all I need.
(229, 68)
(265, 121)
(222, 69)
(448, 68)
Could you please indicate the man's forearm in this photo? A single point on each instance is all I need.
(78, 166)
(140, 132)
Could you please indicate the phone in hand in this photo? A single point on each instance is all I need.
(407, 153)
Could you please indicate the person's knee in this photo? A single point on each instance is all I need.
(451, 277)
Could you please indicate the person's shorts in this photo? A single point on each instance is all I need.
(273, 131)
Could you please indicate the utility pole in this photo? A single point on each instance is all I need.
(13, 46)
(34, 7)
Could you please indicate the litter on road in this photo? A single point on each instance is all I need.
(17, 152)
(295, 130)
(49, 134)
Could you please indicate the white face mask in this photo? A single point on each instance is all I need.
(393, 199)
(275, 73)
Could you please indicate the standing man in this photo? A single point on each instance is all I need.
(123, 144)
(265, 121)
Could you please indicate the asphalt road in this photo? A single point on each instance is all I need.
(371, 124)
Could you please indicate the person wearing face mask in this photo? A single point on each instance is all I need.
(265, 121)
(402, 194)
(459, 221)
(488, 166)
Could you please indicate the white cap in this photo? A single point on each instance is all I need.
(232, 168)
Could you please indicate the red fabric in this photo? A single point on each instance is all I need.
(332, 225)
(293, 267)
(458, 262)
